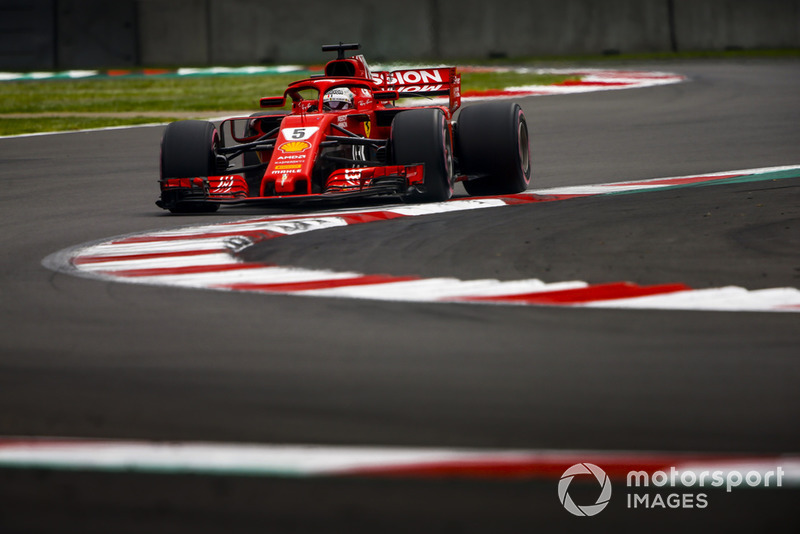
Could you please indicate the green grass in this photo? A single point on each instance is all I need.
(18, 126)
(164, 98)
(49, 98)
(103, 95)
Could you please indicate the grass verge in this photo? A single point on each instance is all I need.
(43, 106)
(20, 126)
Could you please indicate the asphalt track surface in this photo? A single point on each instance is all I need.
(86, 358)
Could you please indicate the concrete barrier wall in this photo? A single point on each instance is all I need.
(276, 32)
(27, 34)
(547, 27)
(99, 33)
(734, 24)
(174, 33)
(96, 32)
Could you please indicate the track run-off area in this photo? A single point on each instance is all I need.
(494, 364)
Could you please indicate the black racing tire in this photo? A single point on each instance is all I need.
(423, 136)
(493, 149)
(188, 150)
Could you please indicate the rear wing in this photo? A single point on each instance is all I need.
(441, 81)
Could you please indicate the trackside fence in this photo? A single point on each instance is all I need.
(76, 34)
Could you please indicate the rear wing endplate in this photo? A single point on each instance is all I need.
(441, 81)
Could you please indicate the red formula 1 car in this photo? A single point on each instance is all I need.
(346, 137)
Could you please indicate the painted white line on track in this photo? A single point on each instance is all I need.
(737, 298)
(256, 276)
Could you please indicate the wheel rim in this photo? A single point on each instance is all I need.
(524, 148)
(448, 158)
(214, 146)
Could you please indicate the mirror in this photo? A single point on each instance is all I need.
(273, 101)
(240, 130)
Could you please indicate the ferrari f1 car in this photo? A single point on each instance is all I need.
(347, 136)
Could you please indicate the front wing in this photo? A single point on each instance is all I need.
(342, 184)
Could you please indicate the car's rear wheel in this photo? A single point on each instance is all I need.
(188, 150)
(423, 136)
(493, 148)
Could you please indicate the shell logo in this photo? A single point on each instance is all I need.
(294, 146)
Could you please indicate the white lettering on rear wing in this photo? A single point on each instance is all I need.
(441, 81)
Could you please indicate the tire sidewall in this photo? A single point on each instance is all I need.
(424, 136)
(493, 144)
(188, 149)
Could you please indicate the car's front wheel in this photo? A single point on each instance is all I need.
(423, 136)
(188, 150)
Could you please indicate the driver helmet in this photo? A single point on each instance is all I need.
(338, 99)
